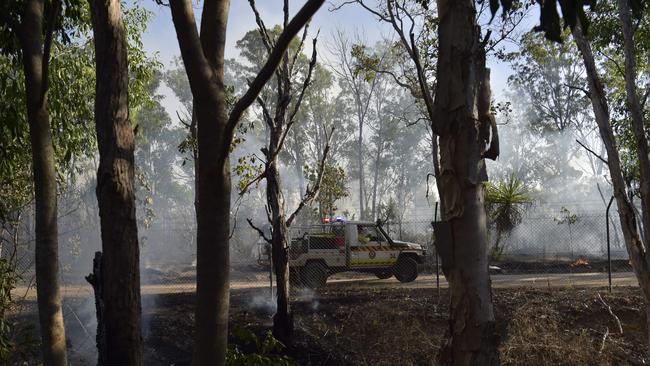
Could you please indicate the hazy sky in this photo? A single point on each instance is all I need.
(161, 37)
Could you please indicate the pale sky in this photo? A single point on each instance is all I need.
(161, 37)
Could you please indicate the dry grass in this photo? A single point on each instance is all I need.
(399, 326)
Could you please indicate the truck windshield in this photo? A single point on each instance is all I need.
(370, 233)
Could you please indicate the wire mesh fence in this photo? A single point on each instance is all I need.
(541, 243)
(347, 259)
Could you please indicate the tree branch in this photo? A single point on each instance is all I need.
(234, 217)
(578, 88)
(266, 39)
(249, 184)
(199, 72)
(267, 71)
(182, 120)
(311, 193)
(414, 53)
(259, 231)
(299, 49)
(305, 84)
(47, 47)
(593, 152)
(265, 112)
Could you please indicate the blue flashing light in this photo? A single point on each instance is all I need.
(339, 219)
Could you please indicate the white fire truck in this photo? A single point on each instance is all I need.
(318, 251)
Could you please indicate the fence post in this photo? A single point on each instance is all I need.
(435, 218)
(609, 256)
(271, 273)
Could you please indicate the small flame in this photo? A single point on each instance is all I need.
(581, 262)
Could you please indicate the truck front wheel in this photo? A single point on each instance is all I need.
(406, 269)
(314, 275)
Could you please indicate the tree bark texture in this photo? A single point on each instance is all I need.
(461, 75)
(283, 319)
(115, 188)
(436, 169)
(203, 56)
(53, 345)
(362, 183)
(636, 114)
(631, 232)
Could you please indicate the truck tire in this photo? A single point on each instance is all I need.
(382, 275)
(314, 275)
(406, 269)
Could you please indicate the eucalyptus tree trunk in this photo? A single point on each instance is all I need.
(641, 248)
(626, 214)
(283, 319)
(35, 65)
(115, 188)
(436, 169)
(375, 183)
(203, 57)
(462, 81)
(362, 188)
(636, 114)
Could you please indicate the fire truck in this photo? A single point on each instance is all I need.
(318, 251)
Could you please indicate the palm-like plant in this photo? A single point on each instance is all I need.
(506, 201)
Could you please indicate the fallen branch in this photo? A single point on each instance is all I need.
(609, 309)
(602, 343)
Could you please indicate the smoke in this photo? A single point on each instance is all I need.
(263, 303)
(570, 187)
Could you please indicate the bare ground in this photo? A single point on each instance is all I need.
(349, 325)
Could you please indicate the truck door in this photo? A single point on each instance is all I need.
(371, 248)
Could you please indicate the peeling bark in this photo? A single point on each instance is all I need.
(461, 74)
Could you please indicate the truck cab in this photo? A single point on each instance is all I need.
(318, 251)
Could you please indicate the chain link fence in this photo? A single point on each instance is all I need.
(545, 243)
(541, 243)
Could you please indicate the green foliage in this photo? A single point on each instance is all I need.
(550, 23)
(607, 39)
(333, 187)
(366, 64)
(266, 351)
(10, 348)
(248, 168)
(506, 201)
(70, 99)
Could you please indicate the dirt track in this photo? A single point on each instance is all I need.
(363, 281)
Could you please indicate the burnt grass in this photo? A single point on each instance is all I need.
(345, 325)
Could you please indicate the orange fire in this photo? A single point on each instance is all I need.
(580, 263)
